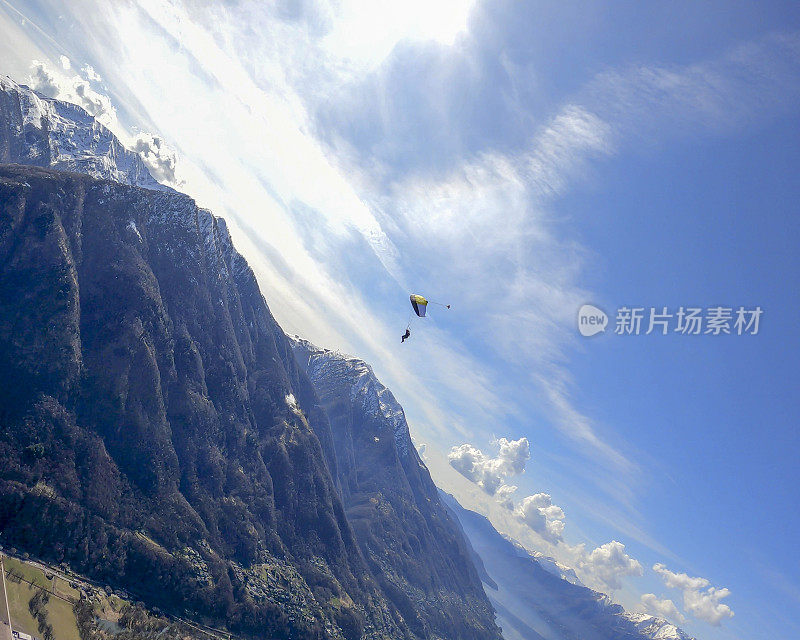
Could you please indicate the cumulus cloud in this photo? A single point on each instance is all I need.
(488, 472)
(541, 515)
(679, 580)
(43, 80)
(96, 103)
(603, 567)
(505, 495)
(699, 598)
(159, 158)
(665, 608)
(610, 562)
(90, 73)
(75, 89)
(706, 605)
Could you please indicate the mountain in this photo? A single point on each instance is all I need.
(40, 131)
(415, 549)
(550, 564)
(158, 433)
(148, 439)
(533, 601)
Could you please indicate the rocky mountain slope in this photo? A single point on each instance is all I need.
(147, 436)
(415, 549)
(533, 602)
(158, 433)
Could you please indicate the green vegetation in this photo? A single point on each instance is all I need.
(37, 605)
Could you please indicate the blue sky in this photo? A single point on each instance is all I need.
(516, 160)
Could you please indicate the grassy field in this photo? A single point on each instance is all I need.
(59, 612)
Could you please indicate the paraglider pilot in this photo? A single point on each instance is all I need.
(406, 335)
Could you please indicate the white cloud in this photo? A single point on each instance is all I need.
(706, 605)
(43, 80)
(541, 515)
(159, 158)
(96, 103)
(365, 31)
(699, 598)
(603, 567)
(754, 80)
(90, 73)
(488, 472)
(679, 580)
(505, 495)
(66, 64)
(610, 562)
(665, 608)
(73, 88)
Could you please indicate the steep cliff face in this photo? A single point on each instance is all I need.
(155, 425)
(414, 548)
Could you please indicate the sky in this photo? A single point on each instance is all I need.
(516, 160)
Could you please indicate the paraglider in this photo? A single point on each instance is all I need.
(420, 305)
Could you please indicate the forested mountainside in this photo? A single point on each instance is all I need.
(415, 550)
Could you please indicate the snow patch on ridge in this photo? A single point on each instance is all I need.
(132, 227)
(365, 389)
(656, 628)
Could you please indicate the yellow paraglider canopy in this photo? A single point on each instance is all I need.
(419, 303)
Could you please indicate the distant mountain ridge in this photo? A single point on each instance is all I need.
(547, 563)
(533, 601)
